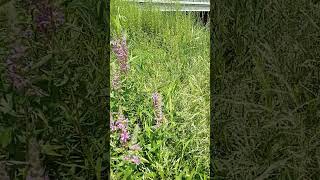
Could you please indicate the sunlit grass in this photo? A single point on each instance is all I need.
(169, 54)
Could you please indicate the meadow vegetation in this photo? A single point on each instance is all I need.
(168, 67)
(53, 89)
(266, 93)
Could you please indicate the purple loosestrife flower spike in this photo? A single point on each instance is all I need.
(18, 81)
(48, 17)
(119, 47)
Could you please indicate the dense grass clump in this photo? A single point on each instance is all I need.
(266, 101)
(53, 84)
(164, 95)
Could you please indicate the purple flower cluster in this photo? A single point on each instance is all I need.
(119, 47)
(124, 136)
(47, 17)
(122, 125)
(157, 104)
(132, 158)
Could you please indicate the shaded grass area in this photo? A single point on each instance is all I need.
(266, 89)
(68, 121)
(169, 54)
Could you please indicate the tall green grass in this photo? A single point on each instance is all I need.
(69, 122)
(266, 89)
(169, 54)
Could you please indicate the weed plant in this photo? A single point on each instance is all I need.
(164, 95)
(266, 100)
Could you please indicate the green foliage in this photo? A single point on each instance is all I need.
(169, 54)
(69, 67)
(266, 89)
